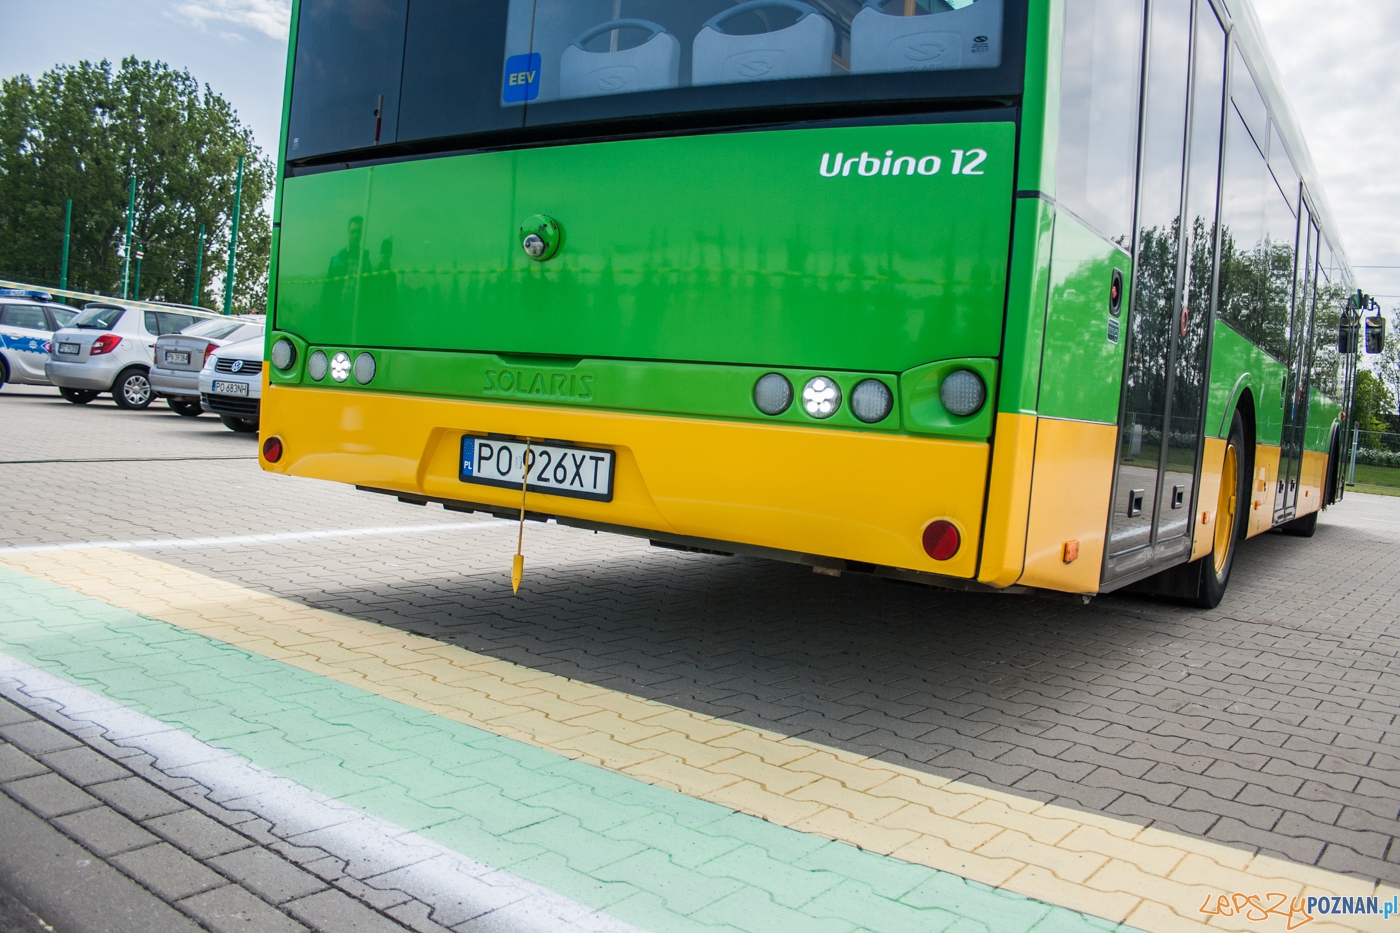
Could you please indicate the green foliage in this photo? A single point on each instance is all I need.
(82, 131)
(1373, 403)
(1387, 365)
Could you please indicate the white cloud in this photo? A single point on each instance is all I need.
(1337, 65)
(269, 17)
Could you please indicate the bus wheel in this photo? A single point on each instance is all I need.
(1229, 520)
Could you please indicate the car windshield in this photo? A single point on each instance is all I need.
(99, 317)
(399, 72)
(211, 328)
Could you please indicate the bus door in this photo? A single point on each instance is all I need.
(1294, 389)
(1165, 365)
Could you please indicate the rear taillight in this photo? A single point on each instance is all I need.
(209, 349)
(104, 344)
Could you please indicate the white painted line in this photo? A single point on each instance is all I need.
(161, 544)
(376, 852)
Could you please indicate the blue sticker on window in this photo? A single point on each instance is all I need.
(522, 80)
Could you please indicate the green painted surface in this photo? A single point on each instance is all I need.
(1082, 369)
(1323, 414)
(1236, 366)
(652, 857)
(1025, 306)
(723, 248)
(1040, 105)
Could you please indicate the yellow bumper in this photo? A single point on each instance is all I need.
(860, 496)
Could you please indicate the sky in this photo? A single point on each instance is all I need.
(1336, 62)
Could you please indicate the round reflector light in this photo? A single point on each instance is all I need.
(941, 540)
(272, 449)
(821, 396)
(364, 368)
(317, 364)
(871, 401)
(962, 392)
(772, 394)
(284, 353)
(340, 366)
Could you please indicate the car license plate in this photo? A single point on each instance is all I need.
(558, 469)
(230, 388)
(69, 349)
(173, 357)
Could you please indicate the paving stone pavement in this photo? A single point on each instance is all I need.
(1267, 725)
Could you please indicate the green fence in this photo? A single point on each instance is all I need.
(1376, 466)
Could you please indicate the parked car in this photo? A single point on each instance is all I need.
(108, 348)
(230, 385)
(180, 357)
(27, 322)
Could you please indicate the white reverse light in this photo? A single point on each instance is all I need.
(284, 353)
(317, 364)
(821, 397)
(962, 392)
(340, 366)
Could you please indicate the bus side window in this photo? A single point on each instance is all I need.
(1100, 74)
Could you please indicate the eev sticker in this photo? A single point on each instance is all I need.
(522, 78)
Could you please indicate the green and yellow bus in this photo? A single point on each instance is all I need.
(982, 293)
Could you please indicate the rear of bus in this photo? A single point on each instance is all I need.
(741, 269)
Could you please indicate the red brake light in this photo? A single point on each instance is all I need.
(941, 540)
(104, 344)
(272, 449)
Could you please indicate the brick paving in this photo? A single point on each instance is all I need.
(1267, 725)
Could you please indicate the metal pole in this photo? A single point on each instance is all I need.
(1355, 442)
(126, 241)
(198, 264)
(233, 240)
(136, 287)
(67, 229)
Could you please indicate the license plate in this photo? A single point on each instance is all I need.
(558, 469)
(173, 357)
(230, 388)
(69, 349)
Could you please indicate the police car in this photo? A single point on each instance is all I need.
(28, 319)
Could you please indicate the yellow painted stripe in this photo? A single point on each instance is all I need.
(1153, 880)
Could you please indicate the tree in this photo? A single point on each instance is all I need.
(1387, 366)
(82, 132)
(1373, 403)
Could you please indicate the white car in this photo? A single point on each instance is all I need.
(230, 384)
(109, 348)
(27, 322)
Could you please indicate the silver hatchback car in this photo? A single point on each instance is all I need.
(108, 348)
(180, 357)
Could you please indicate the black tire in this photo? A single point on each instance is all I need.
(185, 407)
(241, 425)
(1215, 567)
(132, 389)
(4, 372)
(1303, 527)
(78, 396)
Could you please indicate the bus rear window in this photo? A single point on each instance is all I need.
(393, 71)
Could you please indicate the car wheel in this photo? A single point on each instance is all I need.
(132, 390)
(185, 407)
(241, 425)
(4, 372)
(78, 396)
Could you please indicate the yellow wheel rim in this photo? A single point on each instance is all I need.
(1225, 508)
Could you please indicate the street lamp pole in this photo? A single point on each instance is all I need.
(67, 229)
(136, 288)
(126, 241)
(198, 264)
(233, 240)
